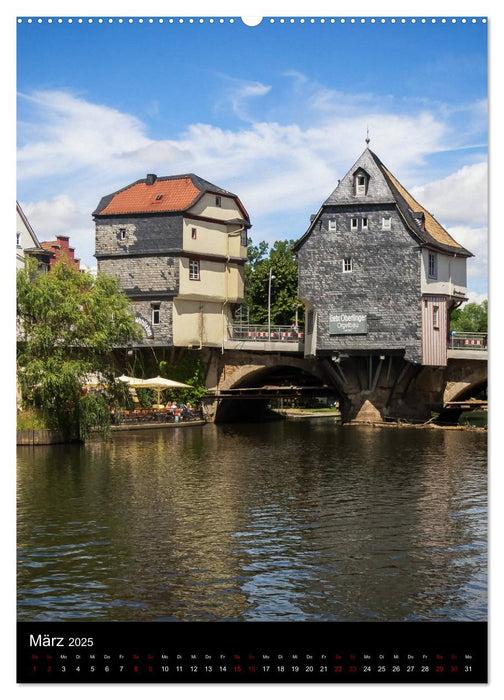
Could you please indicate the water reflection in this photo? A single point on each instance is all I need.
(286, 521)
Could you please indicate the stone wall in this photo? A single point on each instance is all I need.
(145, 259)
(143, 234)
(145, 275)
(163, 331)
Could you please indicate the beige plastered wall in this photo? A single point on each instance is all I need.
(199, 323)
(451, 275)
(201, 310)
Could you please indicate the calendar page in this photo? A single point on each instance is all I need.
(252, 349)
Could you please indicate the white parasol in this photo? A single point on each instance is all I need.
(160, 383)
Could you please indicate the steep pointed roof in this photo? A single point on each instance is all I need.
(378, 191)
(175, 193)
(384, 188)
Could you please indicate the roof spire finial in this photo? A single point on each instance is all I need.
(367, 136)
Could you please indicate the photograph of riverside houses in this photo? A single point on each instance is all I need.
(252, 334)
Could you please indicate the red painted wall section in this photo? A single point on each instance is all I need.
(434, 331)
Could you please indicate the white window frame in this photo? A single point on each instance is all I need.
(386, 223)
(331, 225)
(347, 265)
(435, 317)
(121, 235)
(156, 314)
(432, 266)
(360, 189)
(354, 226)
(365, 225)
(194, 269)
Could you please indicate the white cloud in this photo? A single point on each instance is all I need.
(461, 198)
(239, 92)
(476, 241)
(475, 298)
(54, 216)
(61, 216)
(73, 152)
(68, 133)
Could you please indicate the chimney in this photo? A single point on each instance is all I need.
(151, 178)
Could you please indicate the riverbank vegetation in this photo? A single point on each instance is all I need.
(68, 325)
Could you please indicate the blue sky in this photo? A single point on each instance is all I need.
(275, 113)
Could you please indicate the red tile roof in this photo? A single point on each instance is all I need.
(163, 195)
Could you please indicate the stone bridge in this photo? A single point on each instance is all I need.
(369, 388)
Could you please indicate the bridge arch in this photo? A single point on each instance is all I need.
(242, 375)
(461, 391)
(262, 374)
(464, 379)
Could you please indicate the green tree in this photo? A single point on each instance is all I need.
(471, 318)
(282, 262)
(186, 367)
(68, 325)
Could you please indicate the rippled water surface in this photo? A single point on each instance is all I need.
(298, 520)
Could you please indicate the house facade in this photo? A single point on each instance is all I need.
(377, 273)
(27, 244)
(178, 246)
(61, 251)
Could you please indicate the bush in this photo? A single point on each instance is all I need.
(31, 419)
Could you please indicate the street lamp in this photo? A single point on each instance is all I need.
(271, 277)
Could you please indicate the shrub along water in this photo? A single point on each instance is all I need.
(69, 323)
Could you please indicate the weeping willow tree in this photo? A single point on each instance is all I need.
(68, 324)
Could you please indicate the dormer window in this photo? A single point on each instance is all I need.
(361, 181)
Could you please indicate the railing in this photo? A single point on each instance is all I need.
(260, 333)
(150, 415)
(467, 341)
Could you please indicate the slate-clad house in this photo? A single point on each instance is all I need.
(377, 273)
(178, 245)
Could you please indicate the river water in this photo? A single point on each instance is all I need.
(295, 520)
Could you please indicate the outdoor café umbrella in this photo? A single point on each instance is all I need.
(160, 383)
(131, 381)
